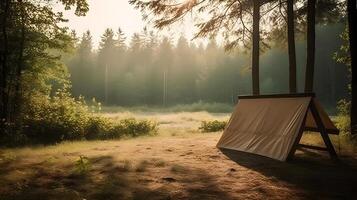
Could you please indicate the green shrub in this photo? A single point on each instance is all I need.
(82, 165)
(98, 128)
(134, 128)
(56, 118)
(212, 126)
(61, 117)
(342, 120)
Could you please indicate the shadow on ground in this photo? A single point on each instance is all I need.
(109, 179)
(316, 174)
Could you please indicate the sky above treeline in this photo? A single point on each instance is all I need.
(114, 14)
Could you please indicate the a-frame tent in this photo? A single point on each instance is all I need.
(272, 125)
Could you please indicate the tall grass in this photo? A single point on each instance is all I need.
(194, 107)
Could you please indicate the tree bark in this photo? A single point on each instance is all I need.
(5, 7)
(310, 61)
(352, 16)
(255, 50)
(20, 64)
(291, 47)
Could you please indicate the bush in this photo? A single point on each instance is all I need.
(134, 128)
(342, 120)
(98, 128)
(57, 118)
(82, 165)
(61, 117)
(212, 126)
(102, 128)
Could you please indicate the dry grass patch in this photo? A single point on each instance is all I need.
(159, 163)
(176, 168)
(125, 166)
(142, 166)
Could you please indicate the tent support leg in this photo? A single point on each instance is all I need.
(297, 141)
(323, 132)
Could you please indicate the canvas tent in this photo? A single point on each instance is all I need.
(272, 125)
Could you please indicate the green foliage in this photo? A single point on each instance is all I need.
(212, 126)
(134, 128)
(32, 42)
(57, 118)
(82, 165)
(342, 120)
(343, 54)
(103, 128)
(99, 128)
(52, 119)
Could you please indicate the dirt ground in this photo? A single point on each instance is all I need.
(173, 165)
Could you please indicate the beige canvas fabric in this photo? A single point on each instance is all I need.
(265, 126)
(310, 122)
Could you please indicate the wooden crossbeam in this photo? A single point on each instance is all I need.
(312, 147)
(329, 131)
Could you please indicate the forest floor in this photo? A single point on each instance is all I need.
(179, 163)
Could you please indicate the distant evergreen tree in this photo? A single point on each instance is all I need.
(106, 55)
(82, 69)
(184, 73)
(151, 70)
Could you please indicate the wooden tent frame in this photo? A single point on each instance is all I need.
(319, 123)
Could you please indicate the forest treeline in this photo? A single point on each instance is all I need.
(149, 69)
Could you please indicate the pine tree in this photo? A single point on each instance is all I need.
(106, 62)
(81, 68)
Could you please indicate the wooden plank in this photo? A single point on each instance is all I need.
(329, 131)
(276, 96)
(323, 131)
(312, 147)
(298, 138)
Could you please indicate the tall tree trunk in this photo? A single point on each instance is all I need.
(5, 7)
(18, 79)
(255, 51)
(291, 47)
(352, 16)
(310, 62)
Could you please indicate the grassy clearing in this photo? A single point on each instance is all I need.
(158, 167)
(173, 124)
(194, 107)
(179, 163)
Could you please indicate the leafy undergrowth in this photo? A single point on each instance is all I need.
(64, 118)
(212, 126)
